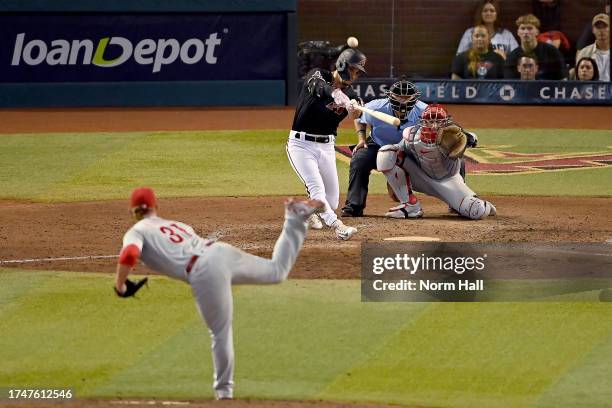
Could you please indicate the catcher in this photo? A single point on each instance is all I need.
(428, 159)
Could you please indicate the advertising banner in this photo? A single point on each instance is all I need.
(142, 47)
(498, 92)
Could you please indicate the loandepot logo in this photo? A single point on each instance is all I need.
(145, 52)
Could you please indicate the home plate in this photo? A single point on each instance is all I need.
(413, 239)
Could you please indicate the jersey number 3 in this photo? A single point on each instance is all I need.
(173, 235)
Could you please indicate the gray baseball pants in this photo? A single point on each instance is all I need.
(452, 190)
(211, 282)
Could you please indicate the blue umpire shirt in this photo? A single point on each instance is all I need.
(382, 133)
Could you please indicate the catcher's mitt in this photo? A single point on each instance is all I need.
(131, 287)
(453, 141)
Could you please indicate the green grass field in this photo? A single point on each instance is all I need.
(95, 166)
(302, 339)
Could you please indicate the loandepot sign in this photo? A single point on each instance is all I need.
(156, 53)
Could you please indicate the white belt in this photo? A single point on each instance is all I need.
(312, 138)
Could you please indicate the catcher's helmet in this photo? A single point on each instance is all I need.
(433, 119)
(403, 95)
(351, 57)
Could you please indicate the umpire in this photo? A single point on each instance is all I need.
(403, 102)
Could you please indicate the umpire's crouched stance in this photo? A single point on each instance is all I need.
(403, 102)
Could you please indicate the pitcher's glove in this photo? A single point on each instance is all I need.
(131, 287)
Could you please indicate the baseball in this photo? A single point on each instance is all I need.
(352, 42)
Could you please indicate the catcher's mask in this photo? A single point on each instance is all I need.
(433, 119)
(403, 95)
(351, 57)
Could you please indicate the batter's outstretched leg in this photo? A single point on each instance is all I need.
(305, 161)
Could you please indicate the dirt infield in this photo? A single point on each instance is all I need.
(34, 229)
(158, 119)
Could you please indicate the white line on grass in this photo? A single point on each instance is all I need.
(65, 258)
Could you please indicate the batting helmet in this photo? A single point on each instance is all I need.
(433, 119)
(403, 95)
(351, 57)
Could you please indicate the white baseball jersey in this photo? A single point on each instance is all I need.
(165, 246)
(429, 157)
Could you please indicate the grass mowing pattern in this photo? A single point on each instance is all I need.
(95, 166)
(303, 340)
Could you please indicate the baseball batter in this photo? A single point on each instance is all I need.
(211, 268)
(403, 102)
(324, 101)
(428, 159)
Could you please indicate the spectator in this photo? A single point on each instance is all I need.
(586, 70)
(502, 40)
(600, 49)
(559, 41)
(550, 61)
(549, 14)
(480, 61)
(528, 67)
(587, 36)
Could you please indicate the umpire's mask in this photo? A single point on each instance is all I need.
(403, 95)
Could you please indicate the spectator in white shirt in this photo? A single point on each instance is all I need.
(600, 49)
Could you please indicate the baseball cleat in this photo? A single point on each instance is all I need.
(314, 222)
(493, 210)
(343, 232)
(303, 207)
(349, 211)
(405, 210)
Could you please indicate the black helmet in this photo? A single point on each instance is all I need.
(403, 95)
(351, 57)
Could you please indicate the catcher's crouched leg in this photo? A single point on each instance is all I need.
(475, 208)
(388, 161)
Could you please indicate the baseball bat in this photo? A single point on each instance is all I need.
(392, 120)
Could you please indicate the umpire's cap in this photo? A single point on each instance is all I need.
(351, 57)
(144, 198)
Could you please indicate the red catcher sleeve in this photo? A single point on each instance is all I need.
(129, 255)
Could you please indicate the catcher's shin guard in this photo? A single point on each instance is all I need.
(387, 158)
(474, 208)
(388, 162)
(400, 183)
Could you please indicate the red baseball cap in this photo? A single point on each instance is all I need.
(143, 197)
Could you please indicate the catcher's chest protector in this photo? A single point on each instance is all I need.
(430, 158)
